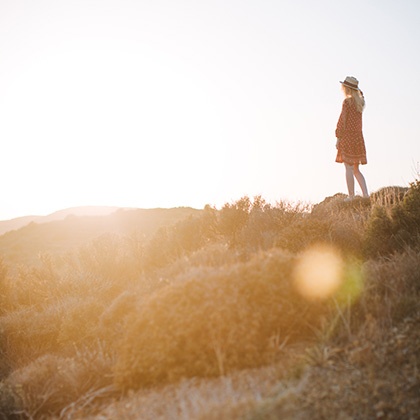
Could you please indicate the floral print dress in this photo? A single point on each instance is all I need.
(351, 147)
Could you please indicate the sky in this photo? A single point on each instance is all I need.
(168, 103)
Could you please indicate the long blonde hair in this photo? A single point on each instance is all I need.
(356, 95)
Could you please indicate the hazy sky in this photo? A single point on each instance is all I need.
(164, 103)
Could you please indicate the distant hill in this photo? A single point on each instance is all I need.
(13, 224)
(66, 231)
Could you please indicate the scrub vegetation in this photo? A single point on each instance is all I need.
(251, 311)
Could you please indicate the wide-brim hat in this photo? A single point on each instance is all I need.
(351, 82)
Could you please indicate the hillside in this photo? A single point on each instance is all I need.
(17, 223)
(67, 230)
(251, 311)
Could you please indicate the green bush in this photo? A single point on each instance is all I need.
(391, 230)
(379, 233)
(408, 217)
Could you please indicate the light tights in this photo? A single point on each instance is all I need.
(352, 171)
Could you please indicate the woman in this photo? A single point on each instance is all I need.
(350, 144)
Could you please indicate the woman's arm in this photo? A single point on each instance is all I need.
(341, 124)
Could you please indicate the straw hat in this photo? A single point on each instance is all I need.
(351, 82)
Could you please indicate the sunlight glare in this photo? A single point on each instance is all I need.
(318, 273)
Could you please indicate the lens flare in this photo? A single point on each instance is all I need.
(319, 272)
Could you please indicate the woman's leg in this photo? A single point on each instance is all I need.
(350, 179)
(361, 180)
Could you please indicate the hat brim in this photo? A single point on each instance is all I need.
(350, 86)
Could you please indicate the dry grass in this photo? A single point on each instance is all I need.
(229, 396)
(51, 383)
(368, 366)
(204, 320)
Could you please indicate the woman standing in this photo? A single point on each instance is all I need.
(350, 144)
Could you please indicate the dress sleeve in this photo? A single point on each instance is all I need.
(341, 124)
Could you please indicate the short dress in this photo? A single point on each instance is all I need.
(351, 147)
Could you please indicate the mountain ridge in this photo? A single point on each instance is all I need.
(18, 222)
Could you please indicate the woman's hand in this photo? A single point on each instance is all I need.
(336, 143)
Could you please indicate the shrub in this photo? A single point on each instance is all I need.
(345, 222)
(264, 224)
(407, 216)
(303, 233)
(207, 326)
(30, 334)
(172, 242)
(389, 231)
(79, 323)
(390, 282)
(391, 291)
(30, 286)
(112, 322)
(378, 235)
(51, 383)
(255, 225)
(111, 257)
(232, 219)
(10, 403)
